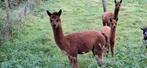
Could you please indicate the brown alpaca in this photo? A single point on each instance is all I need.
(108, 15)
(108, 18)
(117, 8)
(77, 43)
(113, 32)
(106, 30)
(108, 33)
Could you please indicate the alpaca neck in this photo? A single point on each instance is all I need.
(113, 33)
(116, 11)
(59, 38)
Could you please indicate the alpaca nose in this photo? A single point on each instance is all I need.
(145, 38)
(54, 25)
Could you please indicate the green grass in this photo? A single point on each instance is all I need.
(34, 45)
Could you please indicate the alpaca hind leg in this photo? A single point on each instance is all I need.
(73, 61)
(112, 49)
(70, 60)
(107, 48)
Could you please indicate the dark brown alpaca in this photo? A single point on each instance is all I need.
(117, 8)
(77, 43)
(108, 33)
(108, 15)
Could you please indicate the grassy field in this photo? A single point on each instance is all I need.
(34, 45)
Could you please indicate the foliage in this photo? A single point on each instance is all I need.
(1, 4)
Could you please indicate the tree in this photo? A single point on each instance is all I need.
(105, 3)
(6, 31)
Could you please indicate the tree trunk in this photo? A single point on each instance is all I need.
(105, 3)
(6, 32)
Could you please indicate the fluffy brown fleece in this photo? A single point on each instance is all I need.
(77, 43)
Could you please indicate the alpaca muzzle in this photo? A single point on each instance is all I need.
(145, 36)
(55, 25)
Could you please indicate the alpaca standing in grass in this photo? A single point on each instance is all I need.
(107, 17)
(144, 36)
(106, 30)
(108, 33)
(77, 43)
(112, 39)
(117, 8)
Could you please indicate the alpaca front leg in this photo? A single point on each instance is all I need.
(107, 47)
(73, 61)
(112, 49)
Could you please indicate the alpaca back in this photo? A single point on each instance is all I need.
(106, 18)
(107, 31)
(85, 41)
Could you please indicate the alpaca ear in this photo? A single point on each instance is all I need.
(60, 11)
(115, 1)
(110, 20)
(120, 1)
(48, 13)
(142, 28)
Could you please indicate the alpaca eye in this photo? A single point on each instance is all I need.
(51, 20)
(57, 20)
(145, 32)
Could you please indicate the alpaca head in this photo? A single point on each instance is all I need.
(55, 18)
(117, 3)
(113, 23)
(144, 32)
